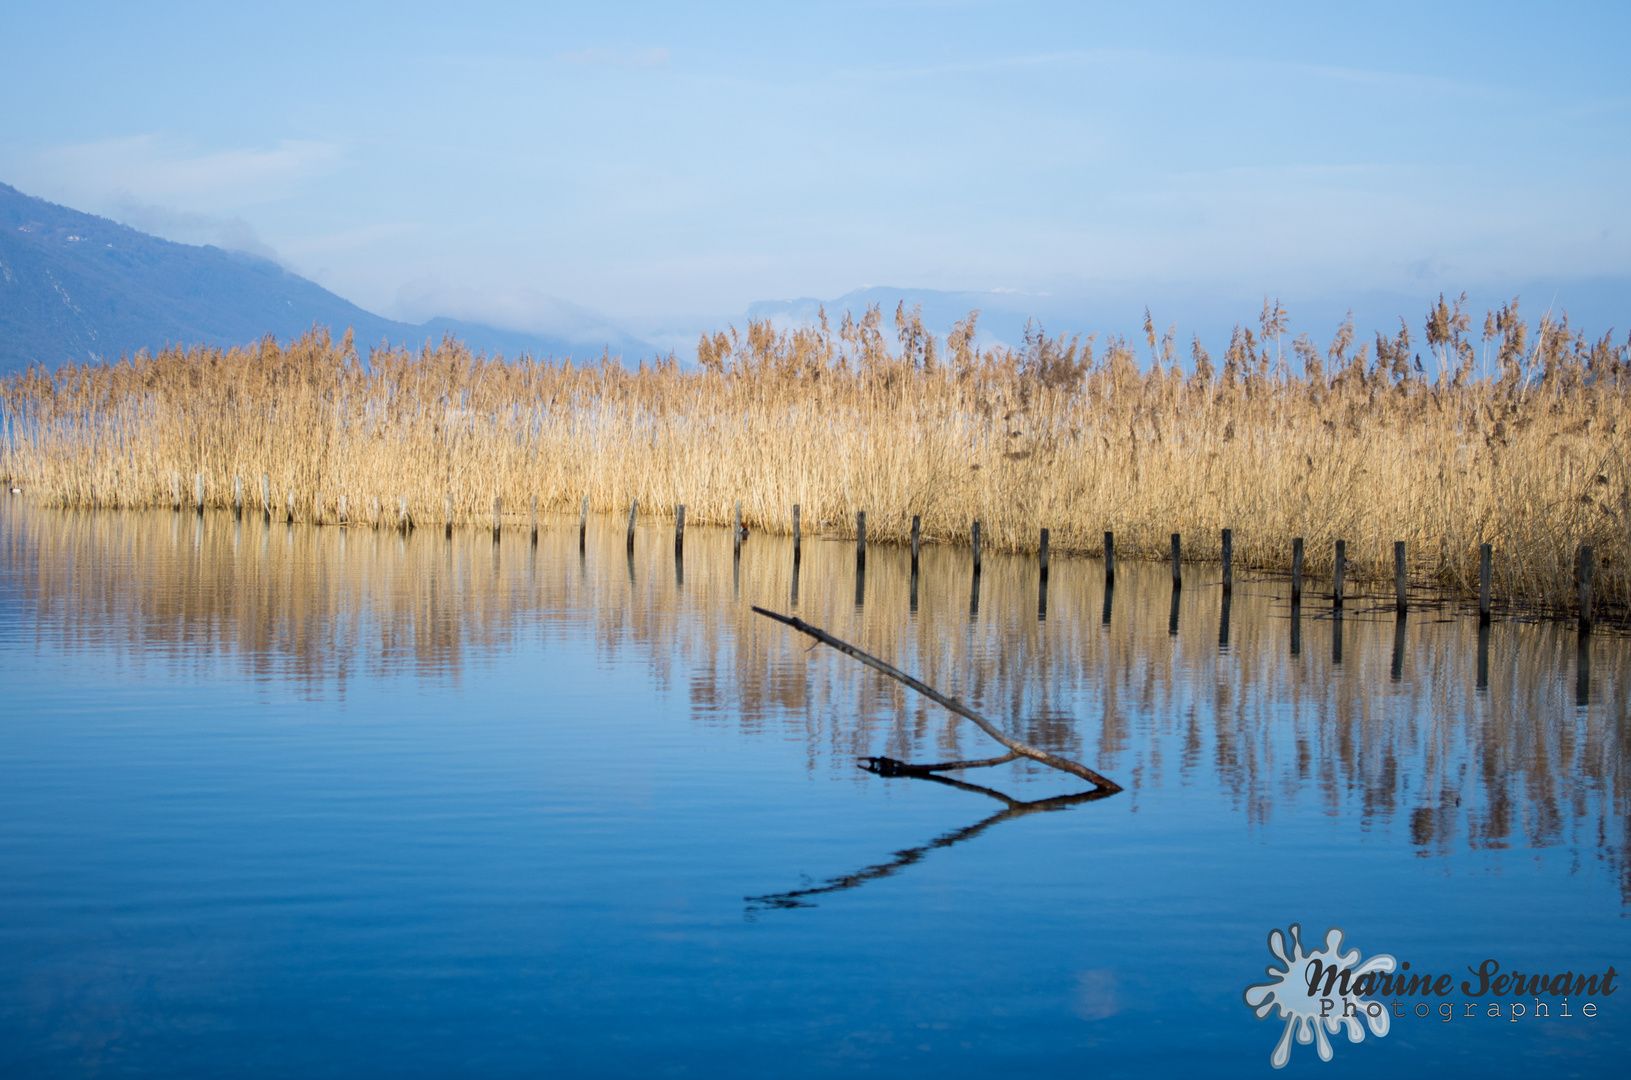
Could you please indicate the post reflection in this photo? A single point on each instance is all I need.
(1483, 655)
(1396, 673)
(316, 609)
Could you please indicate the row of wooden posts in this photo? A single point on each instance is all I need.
(1585, 562)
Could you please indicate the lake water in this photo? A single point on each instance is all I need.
(296, 801)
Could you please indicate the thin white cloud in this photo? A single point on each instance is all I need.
(348, 239)
(230, 232)
(157, 170)
(1169, 64)
(511, 309)
(630, 58)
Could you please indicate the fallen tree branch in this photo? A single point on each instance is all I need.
(1018, 748)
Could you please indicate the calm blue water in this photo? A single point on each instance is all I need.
(320, 802)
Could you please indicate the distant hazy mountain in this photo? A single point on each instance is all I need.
(75, 287)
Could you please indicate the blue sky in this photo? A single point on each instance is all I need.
(670, 163)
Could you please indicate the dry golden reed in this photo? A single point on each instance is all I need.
(1518, 439)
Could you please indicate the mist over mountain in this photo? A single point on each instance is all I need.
(76, 287)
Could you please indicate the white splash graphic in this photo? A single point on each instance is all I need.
(1341, 982)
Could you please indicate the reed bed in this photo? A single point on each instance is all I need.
(1517, 438)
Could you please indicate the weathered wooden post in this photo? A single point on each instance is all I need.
(798, 552)
(1587, 558)
(447, 515)
(917, 538)
(317, 508)
(1042, 556)
(860, 539)
(976, 541)
(376, 515)
(498, 512)
(403, 521)
(344, 518)
(289, 505)
(1339, 573)
(1484, 554)
(238, 497)
(1399, 604)
(1228, 566)
(198, 492)
(1296, 571)
(266, 496)
(1177, 561)
(535, 521)
(679, 530)
(634, 509)
(1109, 558)
(583, 526)
(736, 529)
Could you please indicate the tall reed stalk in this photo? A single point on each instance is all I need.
(1519, 440)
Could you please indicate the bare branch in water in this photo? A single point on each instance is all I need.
(1019, 749)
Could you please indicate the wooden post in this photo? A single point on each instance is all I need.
(797, 551)
(402, 513)
(679, 529)
(376, 513)
(447, 515)
(198, 492)
(1297, 570)
(535, 521)
(266, 496)
(736, 529)
(1109, 558)
(1586, 567)
(1042, 555)
(634, 508)
(317, 508)
(1177, 561)
(238, 497)
(583, 526)
(917, 538)
(345, 518)
(976, 541)
(1484, 553)
(1228, 563)
(860, 538)
(1339, 573)
(1399, 604)
(498, 511)
(288, 504)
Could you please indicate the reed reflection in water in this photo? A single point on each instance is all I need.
(1453, 736)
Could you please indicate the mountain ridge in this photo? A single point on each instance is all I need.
(76, 287)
